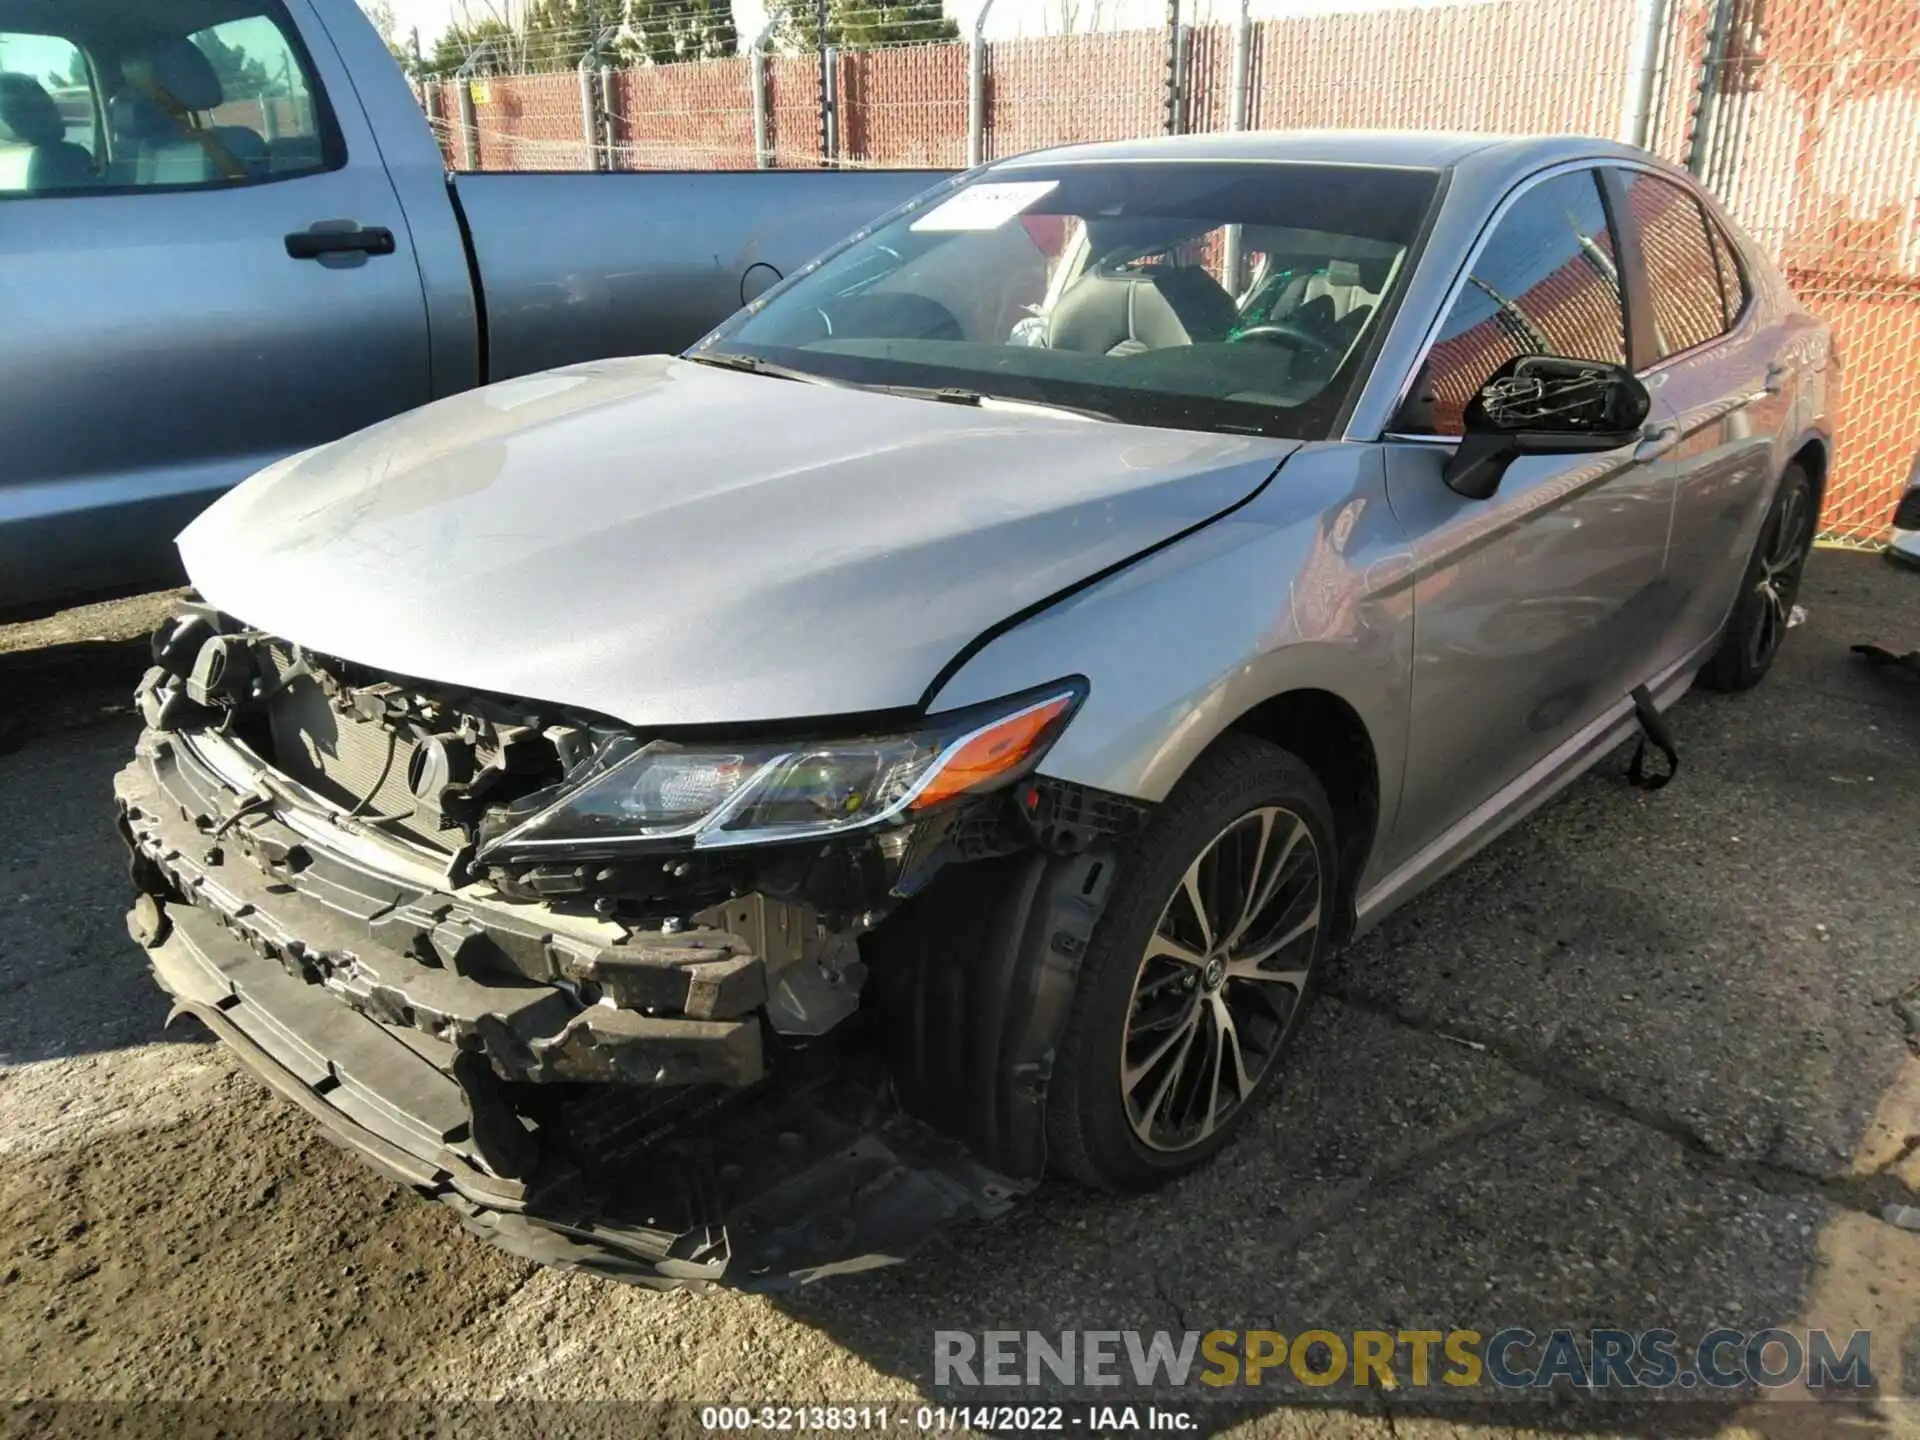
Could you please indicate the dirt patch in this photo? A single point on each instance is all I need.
(77, 667)
(102, 623)
(275, 1269)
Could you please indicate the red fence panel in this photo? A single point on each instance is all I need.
(1066, 89)
(696, 116)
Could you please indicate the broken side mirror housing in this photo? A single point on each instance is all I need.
(1544, 405)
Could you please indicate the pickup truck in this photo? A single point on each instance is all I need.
(227, 235)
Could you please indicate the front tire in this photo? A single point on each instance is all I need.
(1758, 622)
(1198, 973)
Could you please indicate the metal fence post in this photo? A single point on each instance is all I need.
(758, 77)
(1176, 44)
(1706, 99)
(1238, 105)
(1649, 37)
(977, 89)
(826, 83)
(762, 137)
(469, 124)
(609, 119)
(829, 105)
(590, 106)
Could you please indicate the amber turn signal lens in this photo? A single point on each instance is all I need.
(985, 756)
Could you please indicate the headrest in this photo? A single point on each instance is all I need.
(28, 110)
(1369, 274)
(1374, 273)
(134, 117)
(175, 68)
(1204, 308)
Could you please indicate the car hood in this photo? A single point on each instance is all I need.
(668, 543)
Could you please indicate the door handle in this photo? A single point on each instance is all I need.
(1775, 380)
(312, 244)
(1656, 440)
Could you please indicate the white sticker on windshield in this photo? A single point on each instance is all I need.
(984, 207)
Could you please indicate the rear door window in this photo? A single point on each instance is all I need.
(1683, 278)
(144, 107)
(49, 116)
(267, 91)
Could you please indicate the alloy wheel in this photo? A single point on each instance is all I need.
(1221, 980)
(1779, 579)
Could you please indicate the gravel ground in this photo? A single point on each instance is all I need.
(1649, 1061)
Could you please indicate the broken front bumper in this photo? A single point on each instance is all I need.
(495, 1056)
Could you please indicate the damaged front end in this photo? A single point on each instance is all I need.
(756, 1009)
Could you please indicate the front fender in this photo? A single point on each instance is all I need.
(1307, 587)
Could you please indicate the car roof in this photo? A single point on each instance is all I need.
(1424, 149)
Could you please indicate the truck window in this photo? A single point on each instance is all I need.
(48, 122)
(142, 107)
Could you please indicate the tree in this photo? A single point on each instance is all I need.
(538, 37)
(460, 40)
(241, 76)
(663, 32)
(1076, 16)
(867, 24)
(380, 13)
(557, 34)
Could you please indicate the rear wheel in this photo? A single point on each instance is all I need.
(1758, 623)
(1198, 973)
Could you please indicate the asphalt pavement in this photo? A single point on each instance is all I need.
(1652, 1060)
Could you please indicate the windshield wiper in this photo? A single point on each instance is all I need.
(954, 395)
(754, 365)
(947, 394)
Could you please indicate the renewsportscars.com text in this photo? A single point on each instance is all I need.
(1510, 1359)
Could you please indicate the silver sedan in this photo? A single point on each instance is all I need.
(722, 816)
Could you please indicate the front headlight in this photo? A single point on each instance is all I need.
(761, 793)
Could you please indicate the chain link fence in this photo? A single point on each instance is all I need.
(1802, 115)
(1809, 130)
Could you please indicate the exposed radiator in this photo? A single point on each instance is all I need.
(358, 764)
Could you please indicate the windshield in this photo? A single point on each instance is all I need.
(1239, 297)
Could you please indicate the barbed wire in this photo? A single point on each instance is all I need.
(491, 43)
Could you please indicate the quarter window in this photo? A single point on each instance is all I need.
(1733, 280)
(1683, 278)
(143, 107)
(1545, 283)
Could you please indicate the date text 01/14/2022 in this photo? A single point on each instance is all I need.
(939, 1419)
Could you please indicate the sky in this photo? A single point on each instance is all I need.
(1006, 20)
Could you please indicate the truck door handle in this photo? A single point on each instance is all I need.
(312, 244)
(1775, 380)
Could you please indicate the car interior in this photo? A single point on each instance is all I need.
(1149, 293)
(42, 158)
(190, 92)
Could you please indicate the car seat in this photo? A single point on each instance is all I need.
(1122, 312)
(29, 112)
(161, 137)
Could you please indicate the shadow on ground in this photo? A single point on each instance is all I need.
(1616, 1072)
(67, 686)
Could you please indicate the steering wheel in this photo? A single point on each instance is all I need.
(1273, 330)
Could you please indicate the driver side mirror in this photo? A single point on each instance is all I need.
(1544, 405)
